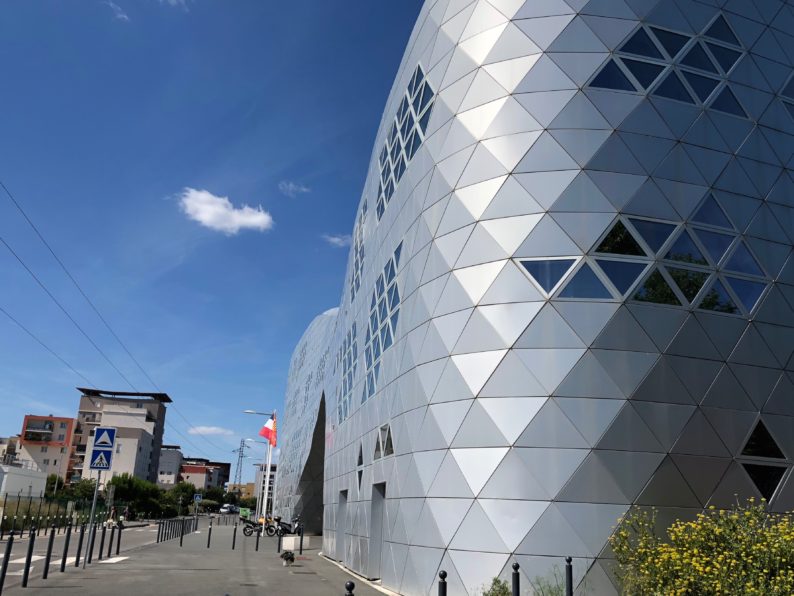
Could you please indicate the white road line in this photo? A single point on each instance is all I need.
(22, 560)
(20, 572)
(114, 560)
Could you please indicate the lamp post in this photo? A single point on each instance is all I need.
(259, 508)
(262, 502)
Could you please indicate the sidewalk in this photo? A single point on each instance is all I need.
(166, 568)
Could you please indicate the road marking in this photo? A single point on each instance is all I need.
(22, 560)
(20, 572)
(114, 560)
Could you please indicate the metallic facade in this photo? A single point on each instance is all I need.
(569, 293)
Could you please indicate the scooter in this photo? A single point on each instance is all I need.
(283, 528)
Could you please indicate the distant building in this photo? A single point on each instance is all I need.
(139, 418)
(203, 473)
(171, 459)
(244, 491)
(8, 449)
(22, 478)
(260, 482)
(47, 442)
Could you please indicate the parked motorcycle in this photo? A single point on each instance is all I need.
(282, 528)
(250, 526)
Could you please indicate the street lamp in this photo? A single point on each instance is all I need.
(262, 491)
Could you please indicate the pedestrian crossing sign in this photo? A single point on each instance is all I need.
(101, 459)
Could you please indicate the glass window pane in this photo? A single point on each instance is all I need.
(656, 290)
(619, 241)
(725, 56)
(426, 97)
(585, 284)
(726, 102)
(418, 99)
(721, 30)
(548, 273)
(712, 214)
(688, 281)
(703, 86)
(425, 119)
(397, 252)
(611, 77)
(394, 319)
(622, 274)
(716, 244)
(673, 88)
(765, 478)
(718, 299)
(696, 57)
(653, 232)
(788, 90)
(743, 262)
(641, 45)
(644, 72)
(685, 251)
(748, 291)
(672, 42)
(761, 444)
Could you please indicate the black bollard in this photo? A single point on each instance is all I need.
(278, 542)
(79, 546)
(50, 542)
(234, 535)
(29, 557)
(118, 540)
(102, 542)
(159, 529)
(66, 546)
(568, 577)
(110, 542)
(442, 583)
(349, 587)
(209, 534)
(300, 546)
(91, 544)
(258, 533)
(182, 534)
(516, 581)
(4, 568)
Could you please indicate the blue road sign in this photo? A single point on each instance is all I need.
(197, 498)
(104, 443)
(101, 459)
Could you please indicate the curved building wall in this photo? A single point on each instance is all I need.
(570, 287)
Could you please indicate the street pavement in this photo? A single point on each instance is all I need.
(167, 568)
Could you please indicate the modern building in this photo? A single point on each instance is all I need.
(265, 488)
(569, 292)
(245, 490)
(139, 419)
(171, 459)
(48, 442)
(203, 473)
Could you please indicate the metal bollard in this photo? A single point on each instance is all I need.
(234, 535)
(568, 576)
(29, 557)
(79, 546)
(159, 529)
(349, 587)
(442, 583)
(50, 542)
(118, 540)
(182, 534)
(209, 534)
(516, 581)
(278, 542)
(4, 568)
(110, 542)
(300, 546)
(91, 543)
(102, 542)
(66, 546)
(258, 534)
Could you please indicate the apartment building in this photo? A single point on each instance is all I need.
(46, 441)
(171, 459)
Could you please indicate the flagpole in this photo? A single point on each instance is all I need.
(263, 490)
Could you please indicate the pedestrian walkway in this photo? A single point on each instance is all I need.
(194, 569)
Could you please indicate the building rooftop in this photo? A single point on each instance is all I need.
(161, 397)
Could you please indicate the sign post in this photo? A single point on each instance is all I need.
(101, 459)
(196, 501)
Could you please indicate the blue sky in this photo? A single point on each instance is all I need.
(135, 133)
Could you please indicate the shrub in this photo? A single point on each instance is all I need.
(743, 551)
(498, 588)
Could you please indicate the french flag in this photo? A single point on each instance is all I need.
(268, 431)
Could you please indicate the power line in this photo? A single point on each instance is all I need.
(93, 307)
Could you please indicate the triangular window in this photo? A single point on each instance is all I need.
(710, 213)
(656, 289)
(672, 42)
(788, 90)
(611, 77)
(644, 72)
(654, 233)
(726, 102)
(765, 478)
(697, 58)
(717, 299)
(743, 262)
(360, 474)
(716, 243)
(725, 56)
(748, 291)
(378, 450)
(619, 241)
(360, 460)
(673, 88)
(721, 31)
(641, 44)
(761, 444)
(388, 445)
(688, 281)
(585, 284)
(703, 86)
(684, 250)
(548, 273)
(622, 274)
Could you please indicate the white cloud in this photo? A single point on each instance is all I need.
(180, 3)
(338, 240)
(218, 213)
(292, 189)
(118, 12)
(209, 430)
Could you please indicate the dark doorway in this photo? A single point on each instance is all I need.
(341, 524)
(376, 529)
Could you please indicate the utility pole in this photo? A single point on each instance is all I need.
(238, 473)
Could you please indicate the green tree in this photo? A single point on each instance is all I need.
(214, 493)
